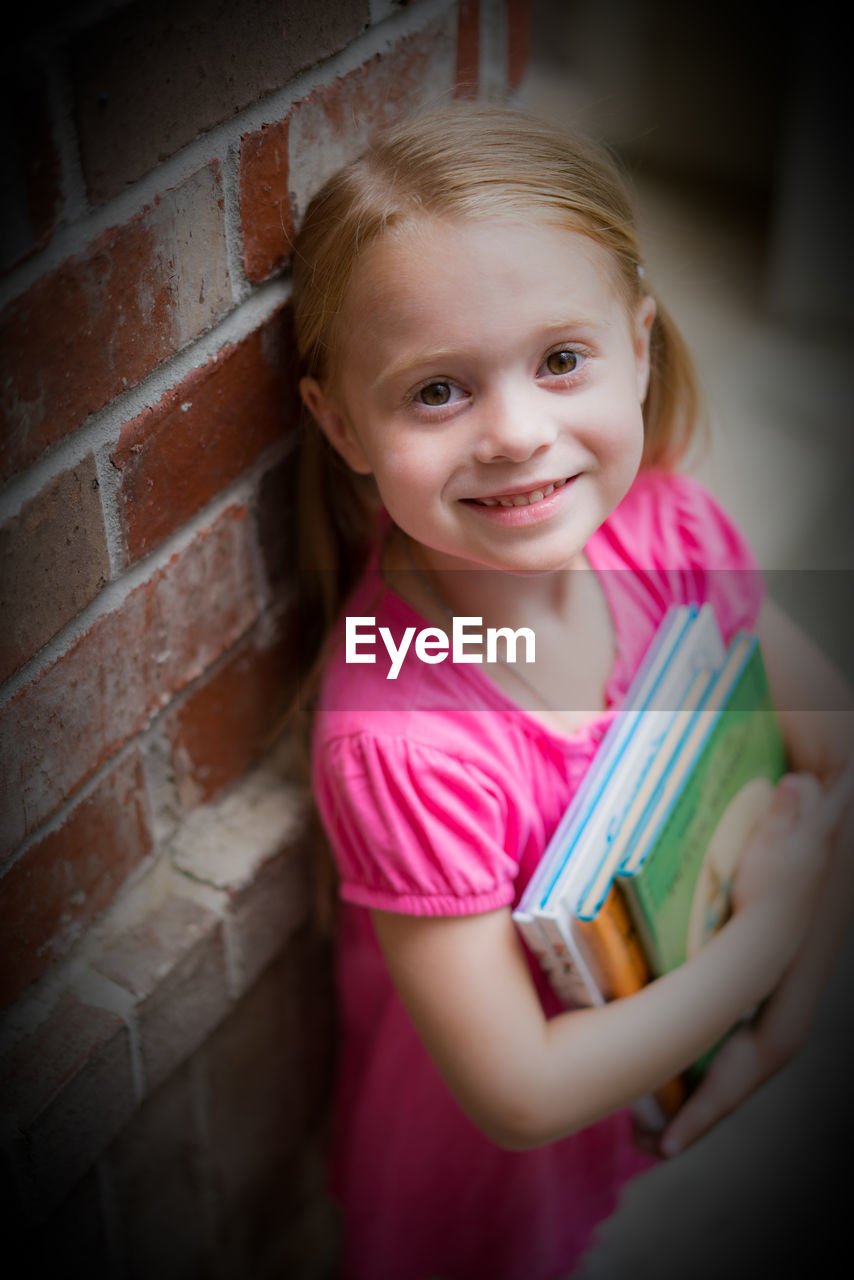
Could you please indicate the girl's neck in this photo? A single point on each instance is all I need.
(566, 609)
(445, 585)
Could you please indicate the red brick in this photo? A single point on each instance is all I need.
(149, 79)
(264, 209)
(66, 722)
(331, 126)
(175, 457)
(173, 963)
(518, 40)
(468, 48)
(103, 320)
(225, 724)
(53, 561)
(32, 170)
(69, 1088)
(63, 883)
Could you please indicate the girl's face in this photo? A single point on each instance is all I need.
(492, 381)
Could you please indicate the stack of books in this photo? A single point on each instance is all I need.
(637, 874)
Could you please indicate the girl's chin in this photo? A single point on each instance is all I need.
(530, 566)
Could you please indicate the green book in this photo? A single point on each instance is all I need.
(678, 868)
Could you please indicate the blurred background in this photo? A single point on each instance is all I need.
(731, 120)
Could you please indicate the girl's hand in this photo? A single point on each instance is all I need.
(790, 845)
(782, 868)
(737, 1069)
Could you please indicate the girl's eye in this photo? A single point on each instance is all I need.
(435, 394)
(563, 362)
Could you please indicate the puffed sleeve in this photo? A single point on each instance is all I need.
(683, 548)
(721, 567)
(413, 830)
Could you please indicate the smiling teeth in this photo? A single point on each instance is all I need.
(522, 499)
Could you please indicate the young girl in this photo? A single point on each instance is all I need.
(500, 401)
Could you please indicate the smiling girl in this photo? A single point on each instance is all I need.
(498, 400)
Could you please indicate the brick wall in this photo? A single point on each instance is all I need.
(167, 1032)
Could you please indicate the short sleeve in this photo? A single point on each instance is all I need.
(413, 830)
(681, 547)
(670, 542)
(718, 562)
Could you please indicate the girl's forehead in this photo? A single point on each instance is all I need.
(484, 290)
(487, 256)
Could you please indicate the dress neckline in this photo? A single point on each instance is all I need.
(571, 741)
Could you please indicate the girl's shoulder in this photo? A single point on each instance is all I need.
(671, 542)
(670, 521)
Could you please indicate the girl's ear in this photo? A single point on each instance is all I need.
(335, 425)
(644, 317)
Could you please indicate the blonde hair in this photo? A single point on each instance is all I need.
(466, 161)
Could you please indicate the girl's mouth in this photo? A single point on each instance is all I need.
(521, 499)
(517, 510)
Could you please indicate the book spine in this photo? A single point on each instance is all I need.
(578, 983)
(655, 663)
(612, 938)
(534, 940)
(554, 964)
(612, 941)
(671, 1095)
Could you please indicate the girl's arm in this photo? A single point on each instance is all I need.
(527, 1080)
(816, 708)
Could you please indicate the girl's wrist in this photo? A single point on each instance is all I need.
(766, 942)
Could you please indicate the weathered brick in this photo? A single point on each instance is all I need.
(67, 721)
(271, 1203)
(65, 880)
(264, 209)
(259, 1041)
(227, 721)
(333, 124)
(32, 170)
(266, 912)
(159, 1181)
(204, 433)
(173, 963)
(518, 40)
(53, 561)
(252, 844)
(69, 1088)
(328, 128)
(149, 79)
(468, 48)
(102, 320)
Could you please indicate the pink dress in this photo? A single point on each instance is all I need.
(439, 795)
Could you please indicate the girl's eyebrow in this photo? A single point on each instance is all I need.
(416, 359)
(436, 355)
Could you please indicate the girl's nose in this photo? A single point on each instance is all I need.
(512, 428)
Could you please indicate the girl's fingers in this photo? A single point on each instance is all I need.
(734, 1073)
(791, 840)
(695, 1118)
